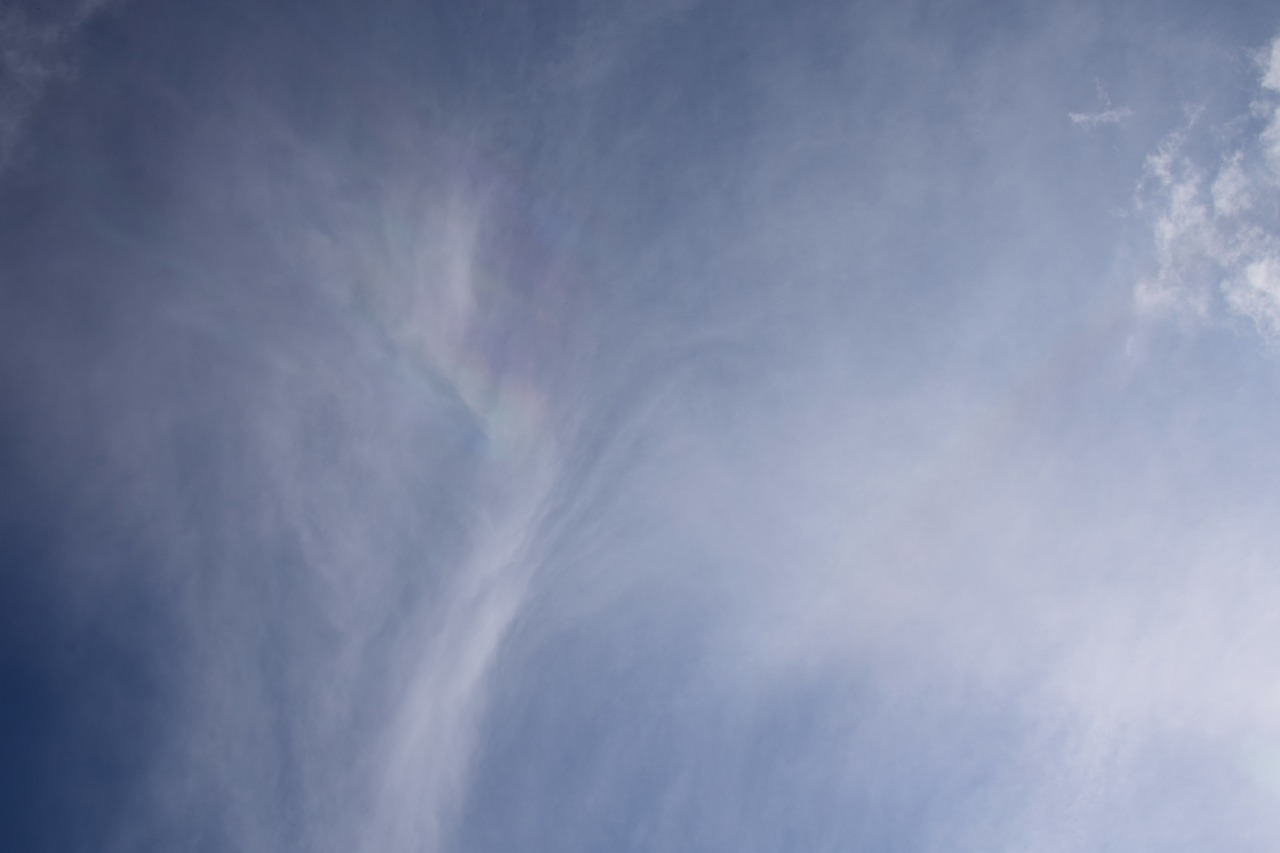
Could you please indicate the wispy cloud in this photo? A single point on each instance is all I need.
(1108, 114)
(33, 55)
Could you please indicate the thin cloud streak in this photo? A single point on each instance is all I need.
(1109, 114)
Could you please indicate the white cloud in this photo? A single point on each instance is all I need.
(1109, 114)
(1231, 190)
(1212, 220)
(1255, 292)
(1271, 67)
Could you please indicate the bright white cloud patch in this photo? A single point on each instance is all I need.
(1213, 210)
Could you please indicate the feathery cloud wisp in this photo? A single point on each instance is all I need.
(1108, 114)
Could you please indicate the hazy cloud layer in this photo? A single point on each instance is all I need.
(692, 426)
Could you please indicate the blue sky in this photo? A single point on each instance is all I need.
(639, 426)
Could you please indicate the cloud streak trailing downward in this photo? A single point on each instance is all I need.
(694, 426)
(469, 301)
(441, 288)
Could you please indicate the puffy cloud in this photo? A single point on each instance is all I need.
(1212, 212)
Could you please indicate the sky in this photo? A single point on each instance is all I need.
(662, 426)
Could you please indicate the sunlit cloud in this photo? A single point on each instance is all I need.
(1213, 214)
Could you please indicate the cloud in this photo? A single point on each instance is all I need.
(1107, 115)
(1212, 211)
(33, 55)
(29, 56)
(1111, 116)
(733, 458)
